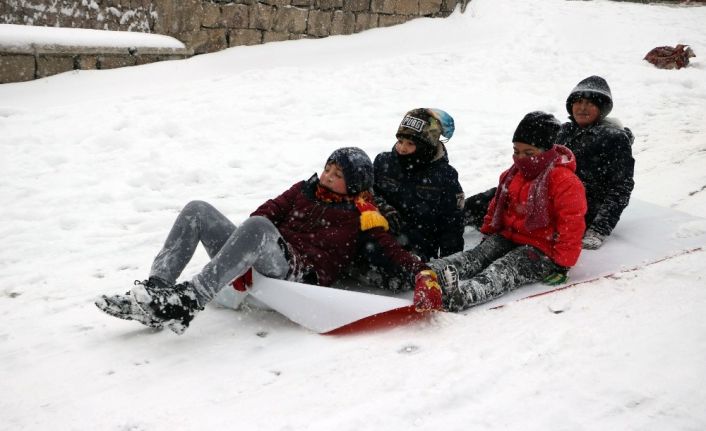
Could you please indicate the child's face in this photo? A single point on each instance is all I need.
(522, 150)
(332, 178)
(585, 112)
(405, 147)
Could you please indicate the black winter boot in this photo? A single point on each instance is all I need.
(176, 306)
(125, 307)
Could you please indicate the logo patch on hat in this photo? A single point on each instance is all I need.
(413, 123)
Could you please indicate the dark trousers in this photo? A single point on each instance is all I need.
(494, 267)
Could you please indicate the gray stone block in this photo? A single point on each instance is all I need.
(328, 4)
(274, 36)
(390, 20)
(343, 23)
(356, 5)
(448, 6)
(278, 3)
(86, 62)
(175, 18)
(48, 65)
(216, 39)
(407, 7)
(236, 15)
(207, 40)
(261, 16)
(429, 7)
(211, 16)
(290, 20)
(383, 6)
(115, 61)
(16, 68)
(319, 23)
(245, 36)
(365, 21)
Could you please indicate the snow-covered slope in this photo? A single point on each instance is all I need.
(96, 164)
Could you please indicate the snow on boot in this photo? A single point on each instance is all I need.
(125, 307)
(448, 279)
(175, 305)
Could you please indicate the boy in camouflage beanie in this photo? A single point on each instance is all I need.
(418, 192)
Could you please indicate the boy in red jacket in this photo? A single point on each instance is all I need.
(533, 226)
(307, 234)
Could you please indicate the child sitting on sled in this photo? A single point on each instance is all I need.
(307, 234)
(533, 226)
(418, 192)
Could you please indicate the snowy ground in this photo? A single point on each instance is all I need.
(96, 164)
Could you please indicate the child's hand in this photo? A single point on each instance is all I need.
(557, 278)
(242, 283)
(427, 292)
(393, 217)
(394, 220)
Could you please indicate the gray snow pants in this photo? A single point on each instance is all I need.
(494, 267)
(233, 250)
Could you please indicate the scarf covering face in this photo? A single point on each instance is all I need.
(535, 169)
(415, 161)
(370, 217)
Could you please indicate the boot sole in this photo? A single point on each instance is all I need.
(107, 305)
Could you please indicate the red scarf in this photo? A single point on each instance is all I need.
(535, 169)
(370, 217)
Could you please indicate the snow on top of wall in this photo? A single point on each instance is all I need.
(14, 35)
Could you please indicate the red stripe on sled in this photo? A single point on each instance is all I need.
(385, 320)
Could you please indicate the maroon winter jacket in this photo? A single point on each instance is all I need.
(325, 235)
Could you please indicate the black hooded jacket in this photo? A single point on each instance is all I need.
(429, 199)
(603, 151)
(605, 165)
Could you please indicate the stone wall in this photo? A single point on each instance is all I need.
(202, 25)
(38, 61)
(208, 26)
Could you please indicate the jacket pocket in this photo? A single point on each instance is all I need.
(430, 195)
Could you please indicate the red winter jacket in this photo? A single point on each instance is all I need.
(561, 239)
(325, 235)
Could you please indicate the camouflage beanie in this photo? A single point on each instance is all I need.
(356, 166)
(425, 127)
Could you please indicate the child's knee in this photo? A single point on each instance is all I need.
(197, 207)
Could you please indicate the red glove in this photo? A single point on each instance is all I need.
(242, 283)
(427, 292)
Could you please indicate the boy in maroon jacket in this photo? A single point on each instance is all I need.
(307, 234)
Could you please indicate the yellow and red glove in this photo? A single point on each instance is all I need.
(242, 283)
(427, 292)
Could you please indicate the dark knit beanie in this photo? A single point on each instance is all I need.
(538, 129)
(424, 127)
(595, 89)
(356, 166)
